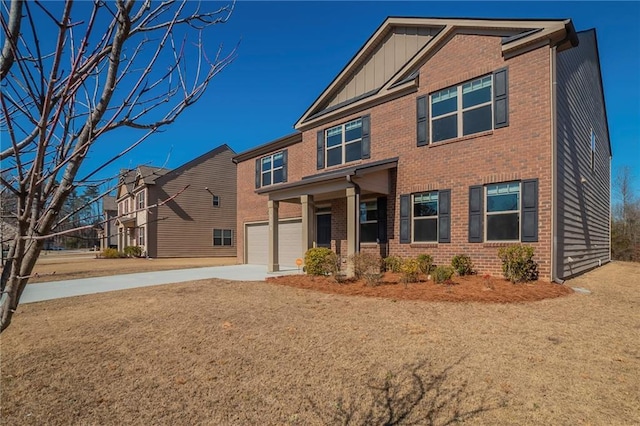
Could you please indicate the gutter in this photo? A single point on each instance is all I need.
(554, 168)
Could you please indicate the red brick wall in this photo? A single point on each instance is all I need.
(520, 151)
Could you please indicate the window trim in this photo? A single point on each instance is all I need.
(460, 110)
(271, 170)
(141, 236)
(368, 222)
(414, 218)
(216, 201)
(141, 199)
(222, 237)
(343, 143)
(486, 213)
(593, 149)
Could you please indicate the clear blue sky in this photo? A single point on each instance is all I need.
(290, 51)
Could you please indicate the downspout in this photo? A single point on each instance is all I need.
(554, 168)
(357, 218)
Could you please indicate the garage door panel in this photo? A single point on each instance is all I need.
(289, 243)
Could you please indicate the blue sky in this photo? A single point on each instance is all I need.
(290, 51)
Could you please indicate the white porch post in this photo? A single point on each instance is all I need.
(272, 265)
(308, 222)
(352, 226)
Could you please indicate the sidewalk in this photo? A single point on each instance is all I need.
(59, 289)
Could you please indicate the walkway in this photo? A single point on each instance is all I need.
(59, 289)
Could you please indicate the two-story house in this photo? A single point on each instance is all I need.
(108, 234)
(443, 136)
(189, 211)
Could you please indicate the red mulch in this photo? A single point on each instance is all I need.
(473, 288)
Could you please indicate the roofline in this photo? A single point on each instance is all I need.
(265, 148)
(215, 151)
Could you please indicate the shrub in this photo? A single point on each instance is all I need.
(442, 274)
(392, 264)
(320, 261)
(462, 264)
(367, 266)
(133, 251)
(111, 253)
(410, 269)
(426, 262)
(518, 264)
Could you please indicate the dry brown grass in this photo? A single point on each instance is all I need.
(221, 352)
(58, 266)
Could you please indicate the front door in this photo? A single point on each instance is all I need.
(323, 230)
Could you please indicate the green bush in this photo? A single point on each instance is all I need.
(320, 261)
(392, 264)
(410, 270)
(442, 274)
(518, 264)
(462, 264)
(367, 266)
(426, 262)
(133, 251)
(111, 253)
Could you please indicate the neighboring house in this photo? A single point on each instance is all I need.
(443, 136)
(108, 234)
(186, 212)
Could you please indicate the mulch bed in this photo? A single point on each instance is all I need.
(473, 288)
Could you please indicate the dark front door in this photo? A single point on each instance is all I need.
(323, 230)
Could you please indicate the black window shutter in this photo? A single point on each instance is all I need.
(320, 149)
(258, 172)
(422, 111)
(529, 213)
(405, 219)
(284, 165)
(444, 216)
(366, 137)
(501, 98)
(476, 213)
(382, 219)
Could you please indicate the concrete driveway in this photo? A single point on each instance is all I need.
(59, 289)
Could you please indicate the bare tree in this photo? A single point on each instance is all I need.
(625, 232)
(73, 72)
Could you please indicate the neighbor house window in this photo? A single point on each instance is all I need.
(222, 237)
(503, 212)
(344, 143)
(425, 217)
(216, 201)
(141, 204)
(369, 221)
(272, 169)
(141, 236)
(462, 110)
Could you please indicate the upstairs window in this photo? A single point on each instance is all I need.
(593, 149)
(344, 143)
(425, 217)
(503, 212)
(462, 110)
(272, 166)
(216, 201)
(369, 221)
(141, 200)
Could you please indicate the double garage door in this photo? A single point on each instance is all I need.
(289, 243)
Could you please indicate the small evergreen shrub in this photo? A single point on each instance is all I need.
(426, 262)
(442, 274)
(410, 270)
(392, 264)
(518, 264)
(133, 251)
(462, 264)
(111, 253)
(320, 261)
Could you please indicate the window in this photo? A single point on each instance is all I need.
(369, 221)
(425, 217)
(503, 212)
(216, 201)
(222, 237)
(141, 204)
(272, 169)
(462, 110)
(344, 143)
(593, 149)
(141, 236)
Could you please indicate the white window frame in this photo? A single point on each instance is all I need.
(343, 143)
(141, 236)
(593, 149)
(503, 212)
(414, 218)
(141, 199)
(223, 237)
(216, 201)
(459, 108)
(271, 169)
(374, 201)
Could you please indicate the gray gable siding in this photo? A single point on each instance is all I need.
(583, 195)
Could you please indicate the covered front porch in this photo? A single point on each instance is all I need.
(341, 209)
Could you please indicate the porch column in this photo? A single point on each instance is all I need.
(308, 216)
(352, 226)
(272, 265)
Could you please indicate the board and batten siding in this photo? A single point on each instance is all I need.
(583, 194)
(184, 226)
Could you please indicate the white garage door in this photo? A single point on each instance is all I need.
(289, 243)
